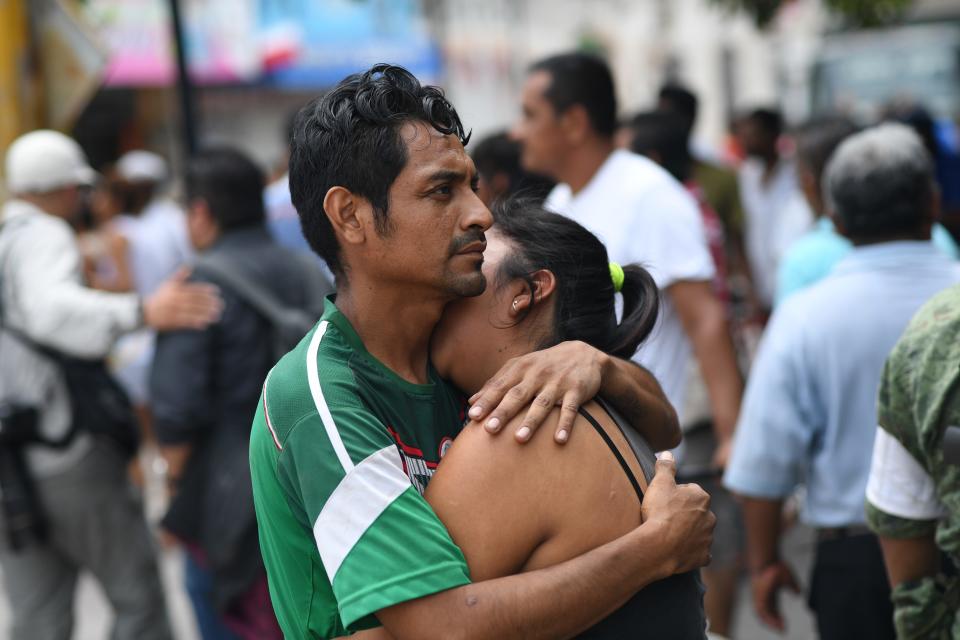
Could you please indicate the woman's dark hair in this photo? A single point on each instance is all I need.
(584, 308)
(350, 137)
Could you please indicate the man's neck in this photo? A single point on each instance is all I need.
(582, 165)
(770, 161)
(394, 325)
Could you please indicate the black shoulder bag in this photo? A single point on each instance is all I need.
(100, 406)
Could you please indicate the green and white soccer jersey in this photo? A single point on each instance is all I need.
(340, 451)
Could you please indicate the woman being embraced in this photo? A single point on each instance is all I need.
(513, 509)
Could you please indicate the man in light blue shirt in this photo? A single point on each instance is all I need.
(812, 257)
(815, 253)
(809, 413)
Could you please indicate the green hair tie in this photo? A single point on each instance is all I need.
(616, 274)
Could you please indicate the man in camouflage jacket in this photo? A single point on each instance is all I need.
(913, 495)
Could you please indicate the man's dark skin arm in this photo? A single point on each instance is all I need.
(705, 323)
(568, 375)
(768, 572)
(910, 559)
(563, 600)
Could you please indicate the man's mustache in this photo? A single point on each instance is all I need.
(470, 237)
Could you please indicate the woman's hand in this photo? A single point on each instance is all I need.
(566, 375)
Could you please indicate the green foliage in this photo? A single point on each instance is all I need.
(855, 13)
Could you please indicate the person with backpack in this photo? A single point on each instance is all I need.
(66, 430)
(205, 385)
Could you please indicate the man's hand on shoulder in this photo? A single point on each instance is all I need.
(683, 513)
(566, 375)
(178, 304)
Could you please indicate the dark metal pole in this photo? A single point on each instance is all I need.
(184, 85)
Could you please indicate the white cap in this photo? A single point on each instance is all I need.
(142, 166)
(45, 160)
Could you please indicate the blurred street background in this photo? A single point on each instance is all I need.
(105, 70)
(122, 75)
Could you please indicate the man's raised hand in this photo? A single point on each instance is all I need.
(178, 304)
(683, 511)
(566, 375)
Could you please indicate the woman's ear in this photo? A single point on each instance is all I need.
(544, 285)
(342, 208)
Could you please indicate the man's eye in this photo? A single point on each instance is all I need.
(443, 191)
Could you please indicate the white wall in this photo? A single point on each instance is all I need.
(490, 44)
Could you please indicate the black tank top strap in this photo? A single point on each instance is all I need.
(616, 452)
(670, 608)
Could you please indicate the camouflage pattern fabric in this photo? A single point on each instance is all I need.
(927, 609)
(919, 397)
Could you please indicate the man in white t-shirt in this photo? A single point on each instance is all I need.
(643, 216)
(776, 212)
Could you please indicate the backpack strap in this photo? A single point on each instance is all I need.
(226, 271)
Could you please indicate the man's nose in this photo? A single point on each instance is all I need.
(478, 215)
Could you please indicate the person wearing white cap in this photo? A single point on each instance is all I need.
(84, 514)
(143, 166)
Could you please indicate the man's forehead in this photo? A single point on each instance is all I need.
(536, 84)
(429, 150)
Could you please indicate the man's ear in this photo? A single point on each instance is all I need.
(345, 212)
(544, 285)
(575, 123)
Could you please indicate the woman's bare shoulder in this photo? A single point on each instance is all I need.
(477, 456)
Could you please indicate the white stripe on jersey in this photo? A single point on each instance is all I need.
(313, 378)
(266, 414)
(356, 503)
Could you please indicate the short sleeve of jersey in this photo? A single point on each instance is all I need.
(669, 237)
(343, 531)
(379, 541)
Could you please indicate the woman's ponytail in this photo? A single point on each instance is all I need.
(641, 305)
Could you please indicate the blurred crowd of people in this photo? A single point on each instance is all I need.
(789, 265)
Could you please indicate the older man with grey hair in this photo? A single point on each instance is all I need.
(809, 413)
